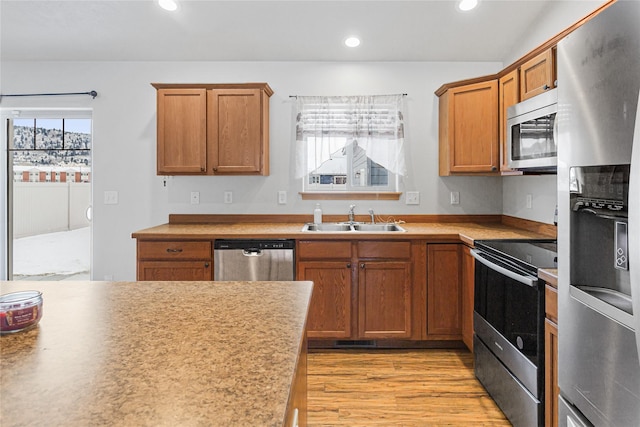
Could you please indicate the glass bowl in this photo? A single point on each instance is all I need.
(20, 311)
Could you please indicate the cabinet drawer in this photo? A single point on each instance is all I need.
(384, 250)
(551, 303)
(174, 250)
(324, 250)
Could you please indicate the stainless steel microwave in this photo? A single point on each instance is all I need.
(532, 133)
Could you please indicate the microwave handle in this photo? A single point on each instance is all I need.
(527, 280)
(555, 129)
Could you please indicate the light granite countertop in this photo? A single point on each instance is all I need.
(154, 354)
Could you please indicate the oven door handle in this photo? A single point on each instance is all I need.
(525, 279)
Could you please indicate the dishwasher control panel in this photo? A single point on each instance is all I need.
(254, 244)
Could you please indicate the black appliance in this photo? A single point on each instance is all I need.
(508, 322)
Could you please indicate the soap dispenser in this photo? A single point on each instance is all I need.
(317, 214)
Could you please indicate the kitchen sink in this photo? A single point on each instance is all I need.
(327, 227)
(378, 227)
(355, 227)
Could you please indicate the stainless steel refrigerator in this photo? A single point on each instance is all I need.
(599, 220)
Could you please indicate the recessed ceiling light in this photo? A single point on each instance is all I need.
(352, 41)
(169, 5)
(466, 5)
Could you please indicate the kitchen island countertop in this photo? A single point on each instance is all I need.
(155, 353)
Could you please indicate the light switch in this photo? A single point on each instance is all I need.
(282, 197)
(455, 197)
(413, 198)
(111, 197)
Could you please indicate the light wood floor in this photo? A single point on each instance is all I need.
(397, 388)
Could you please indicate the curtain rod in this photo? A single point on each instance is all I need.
(296, 96)
(93, 93)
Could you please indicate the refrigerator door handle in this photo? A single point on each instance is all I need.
(634, 224)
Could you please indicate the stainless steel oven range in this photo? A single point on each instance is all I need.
(508, 322)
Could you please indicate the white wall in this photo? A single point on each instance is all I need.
(559, 16)
(124, 154)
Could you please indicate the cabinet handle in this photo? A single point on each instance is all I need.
(348, 265)
(201, 169)
(493, 168)
(206, 265)
(174, 251)
(215, 169)
(546, 87)
(362, 265)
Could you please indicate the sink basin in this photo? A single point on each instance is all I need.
(387, 227)
(327, 227)
(356, 227)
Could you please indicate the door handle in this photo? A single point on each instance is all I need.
(362, 265)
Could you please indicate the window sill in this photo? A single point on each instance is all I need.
(336, 195)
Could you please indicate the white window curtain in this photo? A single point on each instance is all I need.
(375, 123)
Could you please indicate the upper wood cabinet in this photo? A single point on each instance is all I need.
(508, 95)
(213, 129)
(468, 129)
(538, 74)
(182, 131)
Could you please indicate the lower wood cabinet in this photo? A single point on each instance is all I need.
(468, 284)
(384, 299)
(551, 389)
(444, 292)
(362, 290)
(330, 308)
(174, 260)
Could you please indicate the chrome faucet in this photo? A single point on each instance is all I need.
(373, 218)
(352, 217)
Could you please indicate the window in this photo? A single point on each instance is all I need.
(350, 143)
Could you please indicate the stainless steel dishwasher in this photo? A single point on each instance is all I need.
(252, 260)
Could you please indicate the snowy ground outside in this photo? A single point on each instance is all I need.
(64, 255)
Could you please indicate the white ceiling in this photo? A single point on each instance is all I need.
(262, 30)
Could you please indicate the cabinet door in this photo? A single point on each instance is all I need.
(509, 87)
(330, 308)
(537, 75)
(468, 278)
(444, 299)
(176, 270)
(236, 135)
(551, 389)
(384, 299)
(469, 129)
(182, 131)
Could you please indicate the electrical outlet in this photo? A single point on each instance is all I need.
(529, 201)
(413, 198)
(282, 197)
(110, 197)
(455, 197)
(228, 197)
(195, 197)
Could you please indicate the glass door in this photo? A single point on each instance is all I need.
(49, 197)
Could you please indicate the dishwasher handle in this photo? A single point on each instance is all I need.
(252, 252)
